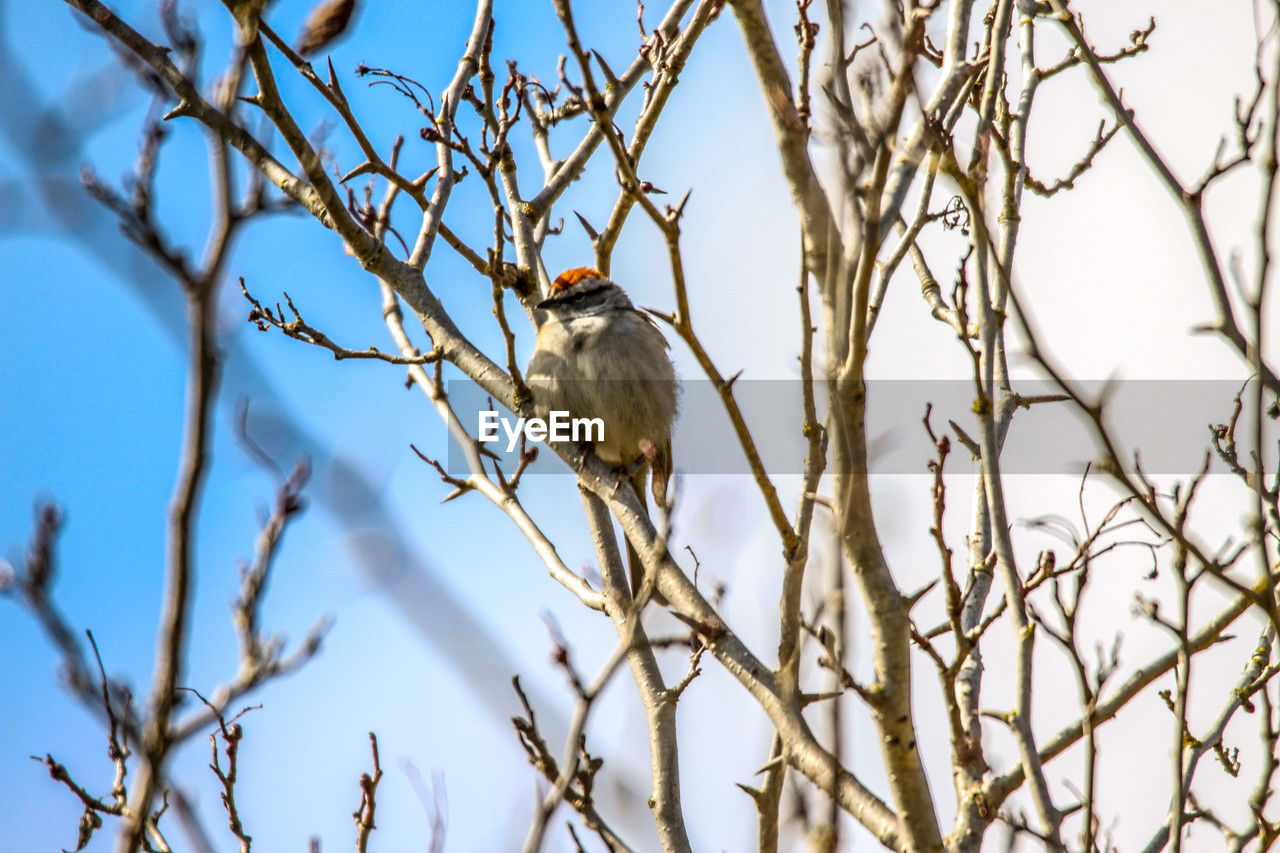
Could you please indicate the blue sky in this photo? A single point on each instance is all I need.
(425, 639)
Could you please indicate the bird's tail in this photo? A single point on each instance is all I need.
(660, 465)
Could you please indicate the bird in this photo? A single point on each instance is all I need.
(598, 356)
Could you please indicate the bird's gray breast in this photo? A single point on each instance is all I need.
(611, 366)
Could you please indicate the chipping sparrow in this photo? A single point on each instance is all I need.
(598, 356)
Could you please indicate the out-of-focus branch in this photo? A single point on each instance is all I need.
(33, 581)
(327, 206)
(171, 642)
(191, 103)
(158, 732)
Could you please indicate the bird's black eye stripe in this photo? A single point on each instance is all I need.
(582, 294)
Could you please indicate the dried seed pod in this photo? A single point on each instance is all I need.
(326, 22)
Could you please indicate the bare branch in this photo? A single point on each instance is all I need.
(368, 790)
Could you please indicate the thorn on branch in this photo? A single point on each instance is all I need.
(365, 168)
(185, 108)
(675, 213)
(964, 438)
(611, 79)
(528, 455)
(586, 226)
(912, 599)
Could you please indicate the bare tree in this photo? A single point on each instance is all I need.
(874, 123)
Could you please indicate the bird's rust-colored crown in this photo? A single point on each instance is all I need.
(569, 278)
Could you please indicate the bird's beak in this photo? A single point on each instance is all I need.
(546, 304)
